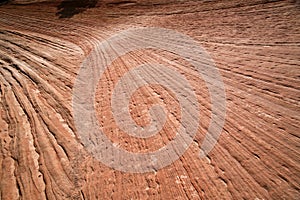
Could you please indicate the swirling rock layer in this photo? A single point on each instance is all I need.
(255, 45)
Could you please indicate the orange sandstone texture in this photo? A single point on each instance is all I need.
(255, 45)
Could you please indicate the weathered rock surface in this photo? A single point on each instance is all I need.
(255, 45)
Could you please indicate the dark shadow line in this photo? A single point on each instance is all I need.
(69, 8)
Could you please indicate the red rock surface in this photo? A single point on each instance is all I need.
(256, 47)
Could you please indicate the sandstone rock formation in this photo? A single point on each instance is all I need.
(255, 45)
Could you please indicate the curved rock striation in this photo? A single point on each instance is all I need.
(255, 46)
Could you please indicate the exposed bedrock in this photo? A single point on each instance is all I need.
(255, 46)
